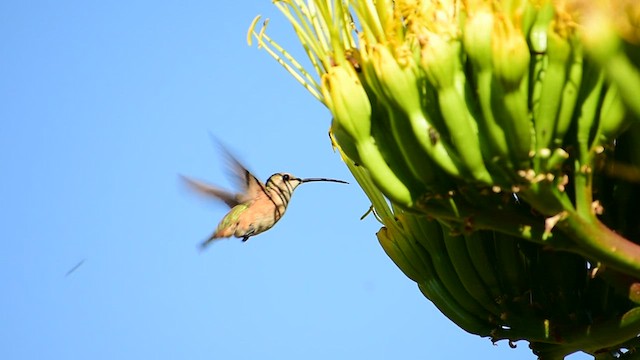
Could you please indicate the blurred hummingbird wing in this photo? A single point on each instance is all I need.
(209, 190)
(250, 186)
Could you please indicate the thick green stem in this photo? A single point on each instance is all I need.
(505, 221)
(596, 241)
(583, 190)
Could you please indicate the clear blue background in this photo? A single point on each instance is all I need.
(102, 106)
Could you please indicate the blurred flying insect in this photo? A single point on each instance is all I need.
(257, 207)
(434, 136)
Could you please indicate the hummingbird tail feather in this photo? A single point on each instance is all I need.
(208, 242)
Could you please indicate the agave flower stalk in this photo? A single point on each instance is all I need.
(499, 144)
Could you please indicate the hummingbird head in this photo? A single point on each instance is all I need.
(287, 182)
(284, 182)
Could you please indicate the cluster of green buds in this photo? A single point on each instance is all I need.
(499, 144)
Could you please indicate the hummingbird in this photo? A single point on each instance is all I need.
(257, 207)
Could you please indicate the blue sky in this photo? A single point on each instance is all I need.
(102, 106)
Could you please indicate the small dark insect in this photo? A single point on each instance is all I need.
(74, 268)
(434, 136)
(353, 56)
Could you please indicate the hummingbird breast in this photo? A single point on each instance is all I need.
(251, 218)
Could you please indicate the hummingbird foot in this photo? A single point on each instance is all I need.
(248, 234)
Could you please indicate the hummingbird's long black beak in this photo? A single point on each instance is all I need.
(322, 179)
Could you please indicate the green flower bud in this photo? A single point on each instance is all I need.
(348, 101)
(510, 54)
(477, 37)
